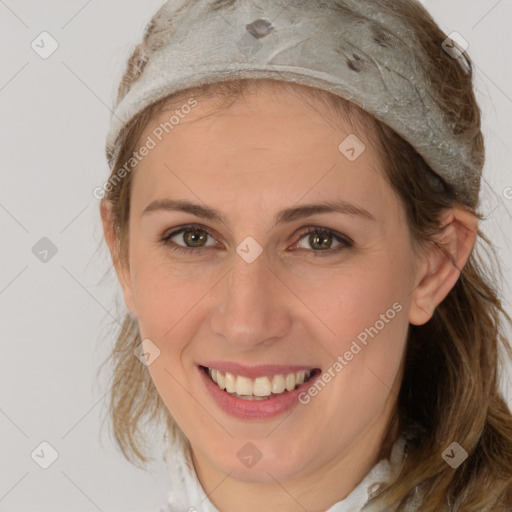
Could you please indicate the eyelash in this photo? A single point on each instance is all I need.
(345, 242)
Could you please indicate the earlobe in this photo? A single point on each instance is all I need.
(122, 271)
(443, 265)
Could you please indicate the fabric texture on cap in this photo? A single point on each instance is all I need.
(361, 50)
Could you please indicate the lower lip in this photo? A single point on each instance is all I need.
(253, 409)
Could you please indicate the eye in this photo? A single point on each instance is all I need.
(193, 237)
(321, 240)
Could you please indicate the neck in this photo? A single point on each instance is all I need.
(317, 490)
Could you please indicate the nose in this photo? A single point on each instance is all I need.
(252, 305)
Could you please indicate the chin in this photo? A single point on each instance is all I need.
(261, 462)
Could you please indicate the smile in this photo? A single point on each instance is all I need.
(255, 392)
(260, 388)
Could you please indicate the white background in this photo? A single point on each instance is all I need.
(54, 316)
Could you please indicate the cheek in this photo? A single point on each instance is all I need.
(354, 298)
(170, 301)
(164, 293)
(366, 311)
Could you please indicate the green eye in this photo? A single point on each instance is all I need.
(193, 236)
(320, 240)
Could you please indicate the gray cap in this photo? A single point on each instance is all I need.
(362, 50)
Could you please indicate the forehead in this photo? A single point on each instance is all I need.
(276, 140)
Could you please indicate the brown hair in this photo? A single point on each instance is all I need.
(450, 389)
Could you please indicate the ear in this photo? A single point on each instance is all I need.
(122, 270)
(441, 268)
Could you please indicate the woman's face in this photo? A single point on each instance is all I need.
(256, 296)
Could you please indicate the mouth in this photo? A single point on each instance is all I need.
(264, 387)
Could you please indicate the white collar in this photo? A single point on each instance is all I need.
(187, 494)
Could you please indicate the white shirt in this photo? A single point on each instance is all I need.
(187, 494)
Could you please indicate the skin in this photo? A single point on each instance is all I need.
(277, 150)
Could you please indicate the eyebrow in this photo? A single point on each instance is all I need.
(283, 216)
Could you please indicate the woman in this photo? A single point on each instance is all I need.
(292, 216)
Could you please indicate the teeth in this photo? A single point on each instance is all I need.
(278, 385)
(251, 397)
(259, 388)
(243, 386)
(290, 381)
(221, 380)
(230, 382)
(262, 387)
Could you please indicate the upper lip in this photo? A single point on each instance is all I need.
(255, 371)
